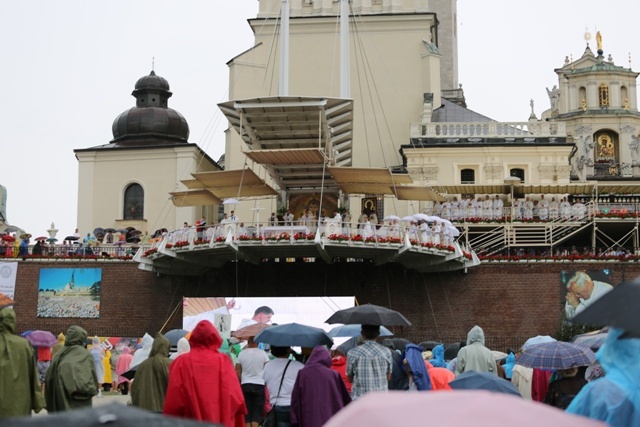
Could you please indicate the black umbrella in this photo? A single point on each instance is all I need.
(112, 414)
(106, 230)
(131, 373)
(294, 334)
(473, 380)
(174, 335)
(618, 307)
(369, 314)
(72, 238)
(429, 345)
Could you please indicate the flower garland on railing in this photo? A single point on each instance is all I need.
(338, 237)
(370, 240)
(395, 240)
(150, 252)
(467, 255)
(438, 246)
(181, 244)
(594, 258)
(358, 238)
(618, 215)
(245, 238)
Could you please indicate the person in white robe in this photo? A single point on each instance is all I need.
(488, 207)
(498, 204)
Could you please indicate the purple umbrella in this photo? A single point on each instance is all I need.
(41, 338)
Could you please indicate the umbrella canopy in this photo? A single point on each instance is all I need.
(429, 345)
(294, 334)
(618, 307)
(540, 339)
(40, 238)
(593, 340)
(174, 335)
(498, 355)
(133, 239)
(391, 218)
(11, 229)
(422, 217)
(131, 373)
(473, 380)
(71, 238)
(354, 331)
(230, 201)
(368, 314)
(249, 331)
(8, 238)
(408, 218)
(556, 355)
(109, 230)
(479, 408)
(112, 414)
(42, 338)
(52, 240)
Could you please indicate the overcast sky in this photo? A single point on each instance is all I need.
(68, 69)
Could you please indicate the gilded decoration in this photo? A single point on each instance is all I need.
(605, 148)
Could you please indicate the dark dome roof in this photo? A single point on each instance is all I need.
(137, 124)
(152, 82)
(151, 121)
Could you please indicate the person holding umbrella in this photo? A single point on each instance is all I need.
(280, 376)
(20, 391)
(369, 365)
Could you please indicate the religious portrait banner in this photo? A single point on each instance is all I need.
(581, 288)
(69, 292)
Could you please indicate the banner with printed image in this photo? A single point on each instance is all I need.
(8, 273)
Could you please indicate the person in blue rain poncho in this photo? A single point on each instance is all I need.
(614, 398)
(437, 360)
(508, 365)
(419, 376)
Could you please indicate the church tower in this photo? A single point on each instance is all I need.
(598, 101)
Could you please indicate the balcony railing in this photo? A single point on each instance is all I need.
(489, 130)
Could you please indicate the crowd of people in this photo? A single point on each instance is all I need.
(209, 379)
(478, 209)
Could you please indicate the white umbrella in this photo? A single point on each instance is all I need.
(391, 217)
(453, 230)
(230, 201)
(409, 218)
(421, 216)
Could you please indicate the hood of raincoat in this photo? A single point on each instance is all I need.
(147, 342)
(160, 346)
(476, 334)
(320, 356)
(61, 338)
(183, 345)
(8, 320)
(76, 336)
(338, 360)
(619, 358)
(438, 357)
(508, 365)
(126, 350)
(205, 335)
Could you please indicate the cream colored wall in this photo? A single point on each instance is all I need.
(442, 166)
(104, 175)
(387, 84)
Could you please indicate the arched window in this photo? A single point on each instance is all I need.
(582, 98)
(133, 202)
(624, 97)
(517, 172)
(603, 95)
(467, 176)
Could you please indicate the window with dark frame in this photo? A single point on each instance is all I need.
(517, 172)
(467, 176)
(133, 202)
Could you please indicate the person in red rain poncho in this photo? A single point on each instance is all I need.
(203, 384)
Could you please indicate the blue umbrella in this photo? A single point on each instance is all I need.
(593, 340)
(473, 380)
(294, 334)
(354, 330)
(556, 355)
(174, 335)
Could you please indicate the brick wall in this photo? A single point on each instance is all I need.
(510, 301)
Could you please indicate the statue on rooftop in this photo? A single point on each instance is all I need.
(554, 97)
